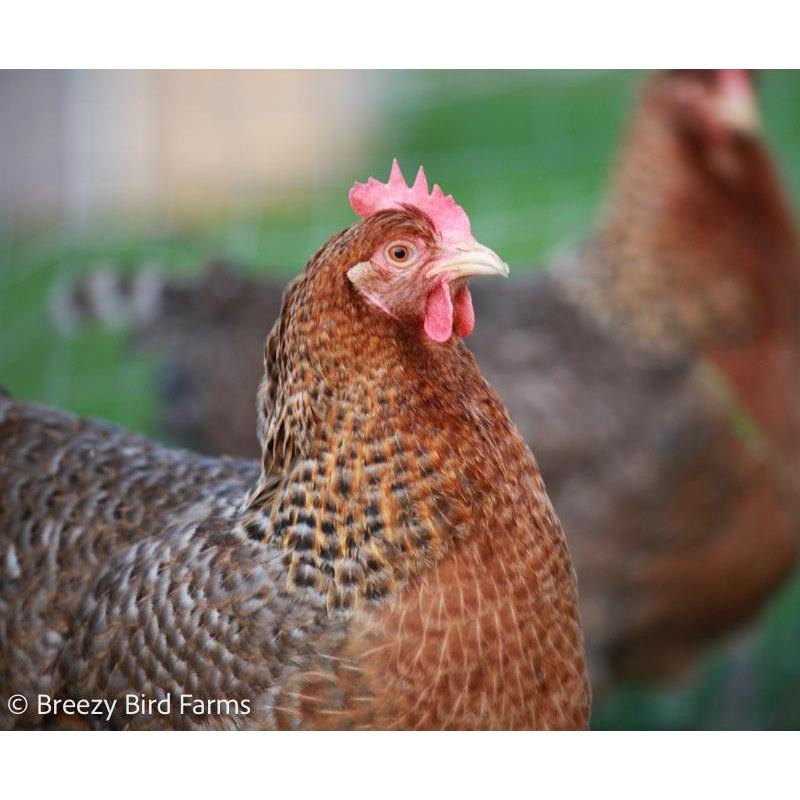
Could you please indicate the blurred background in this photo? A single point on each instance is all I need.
(133, 170)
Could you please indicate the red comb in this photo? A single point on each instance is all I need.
(448, 217)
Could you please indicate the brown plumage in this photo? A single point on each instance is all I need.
(653, 372)
(394, 563)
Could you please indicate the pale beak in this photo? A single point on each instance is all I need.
(737, 103)
(466, 259)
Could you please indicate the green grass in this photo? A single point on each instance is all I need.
(754, 684)
(527, 154)
(777, 690)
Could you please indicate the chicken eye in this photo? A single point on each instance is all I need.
(400, 254)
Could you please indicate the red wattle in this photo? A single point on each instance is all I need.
(463, 312)
(438, 321)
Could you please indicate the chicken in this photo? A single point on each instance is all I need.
(393, 560)
(655, 372)
(207, 335)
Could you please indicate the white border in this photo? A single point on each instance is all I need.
(504, 766)
(399, 33)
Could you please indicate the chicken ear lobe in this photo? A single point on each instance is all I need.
(438, 322)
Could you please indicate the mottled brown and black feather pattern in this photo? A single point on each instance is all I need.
(75, 494)
(395, 562)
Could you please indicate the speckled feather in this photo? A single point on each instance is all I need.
(397, 564)
(75, 494)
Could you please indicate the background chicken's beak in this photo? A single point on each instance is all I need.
(737, 103)
(467, 259)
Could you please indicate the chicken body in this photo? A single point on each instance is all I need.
(83, 500)
(393, 563)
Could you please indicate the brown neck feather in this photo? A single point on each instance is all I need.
(385, 446)
(696, 246)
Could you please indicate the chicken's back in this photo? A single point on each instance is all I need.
(73, 494)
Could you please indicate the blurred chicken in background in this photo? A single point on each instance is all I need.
(669, 345)
(208, 335)
(654, 370)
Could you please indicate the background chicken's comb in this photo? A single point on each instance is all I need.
(450, 219)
